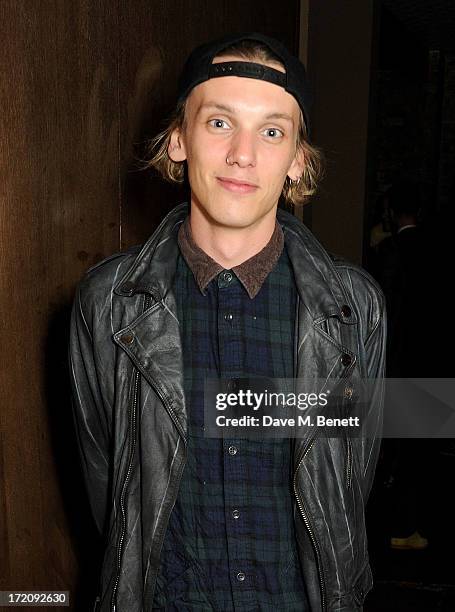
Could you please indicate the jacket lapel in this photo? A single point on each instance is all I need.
(152, 339)
(325, 319)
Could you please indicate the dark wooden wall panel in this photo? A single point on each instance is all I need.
(59, 214)
(339, 56)
(83, 84)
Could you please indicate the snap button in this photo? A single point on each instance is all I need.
(240, 576)
(127, 338)
(235, 514)
(345, 311)
(227, 277)
(346, 359)
(232, 450)
(348, 391)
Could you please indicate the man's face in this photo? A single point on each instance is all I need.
(240, 143)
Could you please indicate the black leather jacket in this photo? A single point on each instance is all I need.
(131, 422)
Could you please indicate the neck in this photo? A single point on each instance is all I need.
(231, 246)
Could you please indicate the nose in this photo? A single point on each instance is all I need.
(242, 150)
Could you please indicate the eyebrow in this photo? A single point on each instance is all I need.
(230, 109)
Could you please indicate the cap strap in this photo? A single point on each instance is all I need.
(250, 70)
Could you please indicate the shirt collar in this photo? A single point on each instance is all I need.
(251, 273)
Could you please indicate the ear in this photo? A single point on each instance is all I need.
(176, 148)
(297, 166)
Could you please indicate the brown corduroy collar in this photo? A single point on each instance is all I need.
(251, 273)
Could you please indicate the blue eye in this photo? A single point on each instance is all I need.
(274, 133)
(218, 123)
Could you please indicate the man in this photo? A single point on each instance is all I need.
(403, 261)
(227, 287)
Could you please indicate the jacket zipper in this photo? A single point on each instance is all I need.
(124, 487)
(299, 502)
(309, 528)
(349, 464)
(131, 430)
(163, 398)
(159, 392)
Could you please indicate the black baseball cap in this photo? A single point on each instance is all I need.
(199, 68)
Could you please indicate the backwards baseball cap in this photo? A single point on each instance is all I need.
(199, 68)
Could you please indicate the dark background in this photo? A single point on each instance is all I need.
(84, 84)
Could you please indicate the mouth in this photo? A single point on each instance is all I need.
(236, 185)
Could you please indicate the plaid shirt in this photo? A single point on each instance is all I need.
(230, 543)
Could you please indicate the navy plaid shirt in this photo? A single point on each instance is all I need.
(230, 543)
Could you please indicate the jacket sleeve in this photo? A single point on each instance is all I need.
(90, 412)
(375, 352)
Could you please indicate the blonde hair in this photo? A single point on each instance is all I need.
(294, 192)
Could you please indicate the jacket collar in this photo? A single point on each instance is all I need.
(317, 280)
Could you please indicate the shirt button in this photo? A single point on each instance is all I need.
(235, 514)
(240, 576)
(227, 277)
(228, 316)
(232, 450)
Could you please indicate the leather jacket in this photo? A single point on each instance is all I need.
(131, 421)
